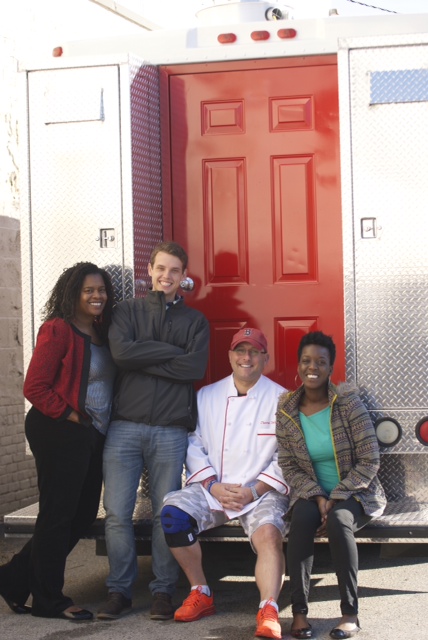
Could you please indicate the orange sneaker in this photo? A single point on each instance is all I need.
(197, 605)
(267, 622)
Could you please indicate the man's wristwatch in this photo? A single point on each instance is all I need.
(254, 492)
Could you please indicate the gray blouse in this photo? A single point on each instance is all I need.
(99, 396)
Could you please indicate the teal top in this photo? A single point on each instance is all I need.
(316, 429)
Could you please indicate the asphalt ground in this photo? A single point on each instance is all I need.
(393, 587)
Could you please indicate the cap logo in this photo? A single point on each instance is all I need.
(248, 334)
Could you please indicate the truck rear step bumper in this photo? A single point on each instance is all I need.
(403, 521)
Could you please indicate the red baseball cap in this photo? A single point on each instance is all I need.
(256, 338)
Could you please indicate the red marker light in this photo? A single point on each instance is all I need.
(57, 52)
(287, 33)
(260, 35)
(421, 431)
(226, 38)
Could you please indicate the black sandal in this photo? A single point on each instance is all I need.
(341, 634)
(82, 615)
(302, 634)
(15, 606)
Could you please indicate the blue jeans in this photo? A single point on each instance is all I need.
(129, 447)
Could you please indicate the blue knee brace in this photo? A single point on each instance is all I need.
(177, 527)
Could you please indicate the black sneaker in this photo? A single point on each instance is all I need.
(162, 608)
(115, 607)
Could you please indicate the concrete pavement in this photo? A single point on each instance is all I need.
(393, 597)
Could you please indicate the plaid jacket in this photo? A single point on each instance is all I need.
(355, 449)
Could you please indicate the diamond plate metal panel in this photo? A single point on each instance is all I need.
(94, 164)
(147, 171)
(384, 154)
(407, 85)
(389, 153)
(408, 421)
(403, 477)
(75, 180)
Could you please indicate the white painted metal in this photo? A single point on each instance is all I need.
(312, 37)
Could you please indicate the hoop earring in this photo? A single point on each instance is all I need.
(296, 382)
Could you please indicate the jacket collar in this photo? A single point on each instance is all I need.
(158, 298)
(292, 399)
(252, 392)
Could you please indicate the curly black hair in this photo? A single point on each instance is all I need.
(321, 340)
(66, 294)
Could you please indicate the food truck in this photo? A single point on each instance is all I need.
(289, 158)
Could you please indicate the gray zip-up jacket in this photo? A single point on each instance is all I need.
(160, 352)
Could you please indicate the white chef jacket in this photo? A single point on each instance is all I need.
(235, 438)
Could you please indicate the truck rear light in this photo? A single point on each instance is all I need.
(57, 52)
(388, 432)
(226, 38)
(260, 35)
(421, 431)
(287, 33)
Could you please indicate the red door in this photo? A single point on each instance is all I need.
(255, 199)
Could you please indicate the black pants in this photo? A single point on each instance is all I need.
(343, 520)
(68, 459)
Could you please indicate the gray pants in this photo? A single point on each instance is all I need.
(342, 522)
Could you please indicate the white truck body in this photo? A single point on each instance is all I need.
(99, 186)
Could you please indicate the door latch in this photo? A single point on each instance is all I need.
(107, 239)
(369, 228)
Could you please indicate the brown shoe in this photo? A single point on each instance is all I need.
(115, 607)
(162, 608)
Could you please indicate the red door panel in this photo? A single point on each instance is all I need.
(256, 202)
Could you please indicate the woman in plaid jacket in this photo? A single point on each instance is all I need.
(329, 456)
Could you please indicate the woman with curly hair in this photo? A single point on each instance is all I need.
(329, 456)
(70, 386)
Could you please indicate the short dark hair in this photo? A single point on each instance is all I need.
(173, 248)
(66, 294)
(321, 340)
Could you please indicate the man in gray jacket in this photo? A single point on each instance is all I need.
(160, 346)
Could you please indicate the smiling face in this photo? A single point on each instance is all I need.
(93, 297)
(247, 364)
(314, 366)
(166, 273)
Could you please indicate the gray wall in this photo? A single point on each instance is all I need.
(18, 485)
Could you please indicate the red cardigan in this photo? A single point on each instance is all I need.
(57, 377)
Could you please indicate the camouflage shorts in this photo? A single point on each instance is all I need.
(271, 509)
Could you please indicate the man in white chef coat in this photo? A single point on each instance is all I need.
(233, 472)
